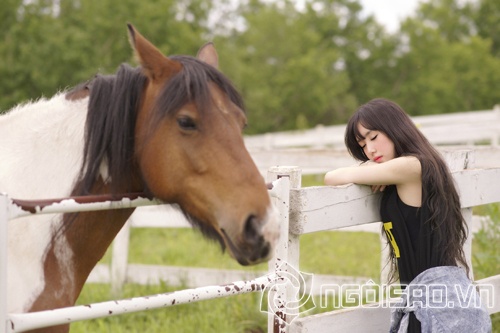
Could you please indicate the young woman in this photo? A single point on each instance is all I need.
(420, 211)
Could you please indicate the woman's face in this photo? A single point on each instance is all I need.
(376, 145)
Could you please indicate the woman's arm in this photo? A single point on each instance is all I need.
(398, 171)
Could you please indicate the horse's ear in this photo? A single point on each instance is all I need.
(155, 65)
(208, 54)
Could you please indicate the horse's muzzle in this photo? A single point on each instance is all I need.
(257, 242)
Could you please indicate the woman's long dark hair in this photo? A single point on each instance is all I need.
(439, 195)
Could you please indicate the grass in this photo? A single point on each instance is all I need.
(325, 254)
(219, 315)
(486, 250)
(338, 253)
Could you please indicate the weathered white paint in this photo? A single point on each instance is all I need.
(366, 319)
(27, 321)
(286, 256)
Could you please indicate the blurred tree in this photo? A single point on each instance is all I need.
(367, 53)
(286, 72)
(486, 15)
(453, 19)
(47, 47)
(295, 66)
(447, 67)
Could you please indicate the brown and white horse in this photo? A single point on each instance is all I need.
(171, 128)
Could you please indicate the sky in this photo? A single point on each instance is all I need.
(386, 12)
(389, 12)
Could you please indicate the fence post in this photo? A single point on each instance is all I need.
(4, 226)
(286, 258)
(119, 259)
(458, 160)
(495, 139)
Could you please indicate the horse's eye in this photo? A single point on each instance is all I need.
(186, 123)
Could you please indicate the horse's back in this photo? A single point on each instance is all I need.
(41, 145)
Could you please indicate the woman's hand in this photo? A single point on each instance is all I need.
(378, 188)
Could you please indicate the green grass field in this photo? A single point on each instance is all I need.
(352, 254)
(336, 253)
(323, 253)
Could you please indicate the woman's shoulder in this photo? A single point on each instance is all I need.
(410, 159)
(410, 187)
(406, 164)
(408, 168)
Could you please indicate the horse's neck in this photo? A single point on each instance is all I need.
(85, 242)
(89, 234)
(40, 150)
(41, 147)
(71, 257)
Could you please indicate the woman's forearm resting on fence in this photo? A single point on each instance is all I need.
(396, 171)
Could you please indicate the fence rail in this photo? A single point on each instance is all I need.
(320, 160)
(300, 210)
(316, 209)
(29, 321)
(165, 216)
(19, 322)
(462, 128)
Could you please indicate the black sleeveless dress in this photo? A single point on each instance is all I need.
(414, 244)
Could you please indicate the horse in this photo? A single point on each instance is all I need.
(170, 128)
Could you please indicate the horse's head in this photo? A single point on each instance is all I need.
(190, 150)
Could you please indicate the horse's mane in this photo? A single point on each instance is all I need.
(112, 110)
(109, 128)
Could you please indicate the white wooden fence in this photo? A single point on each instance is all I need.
(10, 209)
(315, 209)
(463, 128)
(321, 160)
(301, 210)
(121, 271)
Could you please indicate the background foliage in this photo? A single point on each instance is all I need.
(296, 67)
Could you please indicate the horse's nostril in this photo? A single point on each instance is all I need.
(256, 245)
(265, 251)
(251, 232)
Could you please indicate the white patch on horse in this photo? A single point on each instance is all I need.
(28, 239)
(104, 171)
(64, 255)
(41, 149)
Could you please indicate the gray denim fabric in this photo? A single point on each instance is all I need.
(443, 300)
